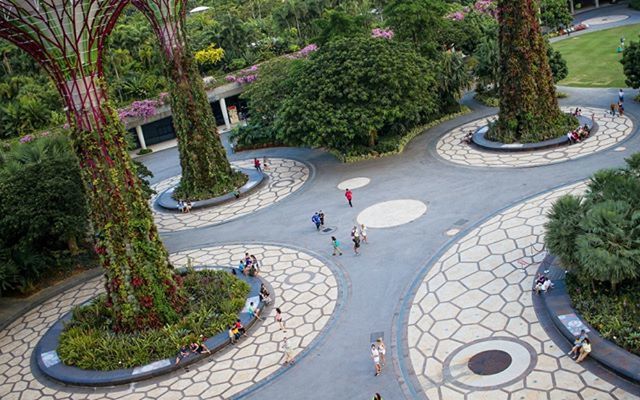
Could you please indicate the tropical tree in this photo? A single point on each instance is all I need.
(354, 91)
(419, 22)
(555, 14)
(631, 64)
(487, 69)
(453, 78)
(529, 109)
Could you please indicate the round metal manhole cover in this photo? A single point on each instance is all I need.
(490, 362)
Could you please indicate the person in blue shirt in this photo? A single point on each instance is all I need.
(316, 220)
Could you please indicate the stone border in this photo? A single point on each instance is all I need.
(50, 365)
(557, 302)
(255, 180)
(479, 139)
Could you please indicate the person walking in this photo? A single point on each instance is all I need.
(382, 350)
(612, 108)
(363, 233)
(316, 220)
(355, 237)
(265, 163)
(349, 195)
(375, 356)
(336, 245)
(621, 109)
(621, 96)
(377, 396)
(287, 350)
(256, 164)
(321, 215)
(279, 319)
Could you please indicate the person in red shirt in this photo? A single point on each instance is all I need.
(349, 195)
(256, 163)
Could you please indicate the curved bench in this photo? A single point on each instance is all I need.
(255, 178)
(557, 304)
(481, 141)
(50, 364)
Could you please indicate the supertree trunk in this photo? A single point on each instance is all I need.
(66, 38)
(205, 169)
(529, 109)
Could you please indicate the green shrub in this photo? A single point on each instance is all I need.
(598, 236)
(142, 152)
(43, 212)
(87, 342)
(635, 4)
(614, 314)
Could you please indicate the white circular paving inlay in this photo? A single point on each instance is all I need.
(392, 213)
(354, 183)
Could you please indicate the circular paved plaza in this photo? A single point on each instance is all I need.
(284, 177)
(611, 131)
(303, 287)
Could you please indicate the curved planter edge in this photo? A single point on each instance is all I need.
(557, 303)
(50, 365)
(256, 179)
(479, 140)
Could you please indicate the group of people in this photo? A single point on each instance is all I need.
(581, 347)
(579, 134)
(378, 353)
(318, 220)
(249, 265)
(184, 206)
(258, 166)
(196, 347)
(619, 106)
(358, 235)
(542, 284)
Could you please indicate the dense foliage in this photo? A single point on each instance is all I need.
(354, 95)
(631, 64)
(43, 212)
(555, 14)
(597, 236)
(614, 314)
(44, 220)
(215, 298)
(529, 109)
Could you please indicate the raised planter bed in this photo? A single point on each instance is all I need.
(557, 304)
(166, 201)
(479, 140)
(50, 364)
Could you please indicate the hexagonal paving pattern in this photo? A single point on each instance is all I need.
(307, 306)
(479, 291)
(611, 131)
(285, 177)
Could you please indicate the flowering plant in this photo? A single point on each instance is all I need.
(139, 109)
(487, 7)
(382, 33)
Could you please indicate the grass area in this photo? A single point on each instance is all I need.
(592, 58)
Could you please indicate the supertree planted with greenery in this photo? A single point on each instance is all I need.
(66, 37)
(529, 109)
(206, 172)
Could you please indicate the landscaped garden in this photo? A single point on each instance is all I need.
(593, 59)
(213, 301)
(597, 238)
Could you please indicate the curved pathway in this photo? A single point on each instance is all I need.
(611, 131)
(285, 177)
(304, 287)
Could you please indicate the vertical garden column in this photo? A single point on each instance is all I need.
(66, 38)
(529, 109)
(205, 169)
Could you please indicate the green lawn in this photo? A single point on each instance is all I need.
(592, 58)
